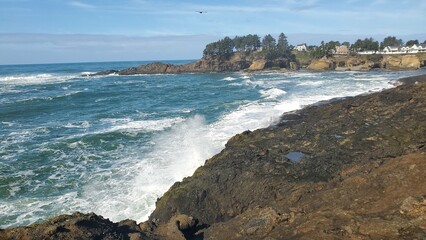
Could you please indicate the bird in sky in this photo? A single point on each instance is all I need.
(201, 12)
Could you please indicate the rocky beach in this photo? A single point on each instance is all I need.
(348, 168)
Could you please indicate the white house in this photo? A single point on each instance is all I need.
(391, 49)
(301, 47)
(414, 49)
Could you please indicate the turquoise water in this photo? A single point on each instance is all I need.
(114, 144)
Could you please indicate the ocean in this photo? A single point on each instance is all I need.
(114, 144)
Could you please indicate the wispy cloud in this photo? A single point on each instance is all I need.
(81, 5)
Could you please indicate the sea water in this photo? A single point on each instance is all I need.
(114, 144)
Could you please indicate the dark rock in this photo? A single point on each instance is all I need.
(252, 170)
(102, 73)
(75, 226)
(206, 64)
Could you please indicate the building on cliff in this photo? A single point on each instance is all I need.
(342, 50)
(301, 47)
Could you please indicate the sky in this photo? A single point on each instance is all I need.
(51, 31)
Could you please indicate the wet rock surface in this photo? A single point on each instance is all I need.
(352, 168)
(346, 145)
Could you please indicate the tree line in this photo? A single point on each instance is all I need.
(367, 44)
(269, 46)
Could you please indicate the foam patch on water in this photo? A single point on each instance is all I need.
(272, 93)
(34, 79)
(311, 83)
(229, 79)
(146, 125)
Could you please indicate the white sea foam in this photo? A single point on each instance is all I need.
(229, 79)
(82, 124)
(146, 125)
(272, 93)
(34, 79)
(311, 83)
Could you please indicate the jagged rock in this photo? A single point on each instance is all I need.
(321, 65)
(257, 65)
(75, 226)
(294, 66)
(356, 168)
(401, 62)
(255, 223)
(176, 228)
(102, 73)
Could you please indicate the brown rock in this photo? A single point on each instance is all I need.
(321, 65)
(174, 229)
(257, 65)
(401, 62)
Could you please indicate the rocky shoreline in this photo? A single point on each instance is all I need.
(344, 169)
(240, 63)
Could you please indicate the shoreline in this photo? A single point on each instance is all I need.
(237, 64)
(214, 208)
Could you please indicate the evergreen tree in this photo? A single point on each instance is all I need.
(347, 44)
(368, 44)
(391, 41)
(269, 43)
(411, 43)
(282, 45)
(239, 43)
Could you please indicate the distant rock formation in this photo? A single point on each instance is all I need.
(205, 64)
(366, 63)
(322, 64)
(405, 62)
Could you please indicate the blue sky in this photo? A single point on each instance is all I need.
(36, 31)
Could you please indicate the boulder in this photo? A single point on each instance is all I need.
(321, 65)
(257, 65)
(76, 226)
(405, 62)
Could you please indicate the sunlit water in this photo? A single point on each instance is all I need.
(114, 144)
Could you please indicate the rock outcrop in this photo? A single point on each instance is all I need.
(344, 169)
(323, 64)
(77, 226)
(257, 65)
(352, 176)
(405, 62)
(368, 62)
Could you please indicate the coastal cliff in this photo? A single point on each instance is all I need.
(253, 62)
(368, 62)
(344, 169)
(236, 63)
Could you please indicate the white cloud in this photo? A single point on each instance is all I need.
(81, 5)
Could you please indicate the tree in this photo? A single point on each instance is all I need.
(411, 43)
(226, 47)
(347, 44)
(269, 42)
(368, 44)
(239, 43)
(223, 48)
(282, 45)
(319, 52)
(424, 42)
(391, 41)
